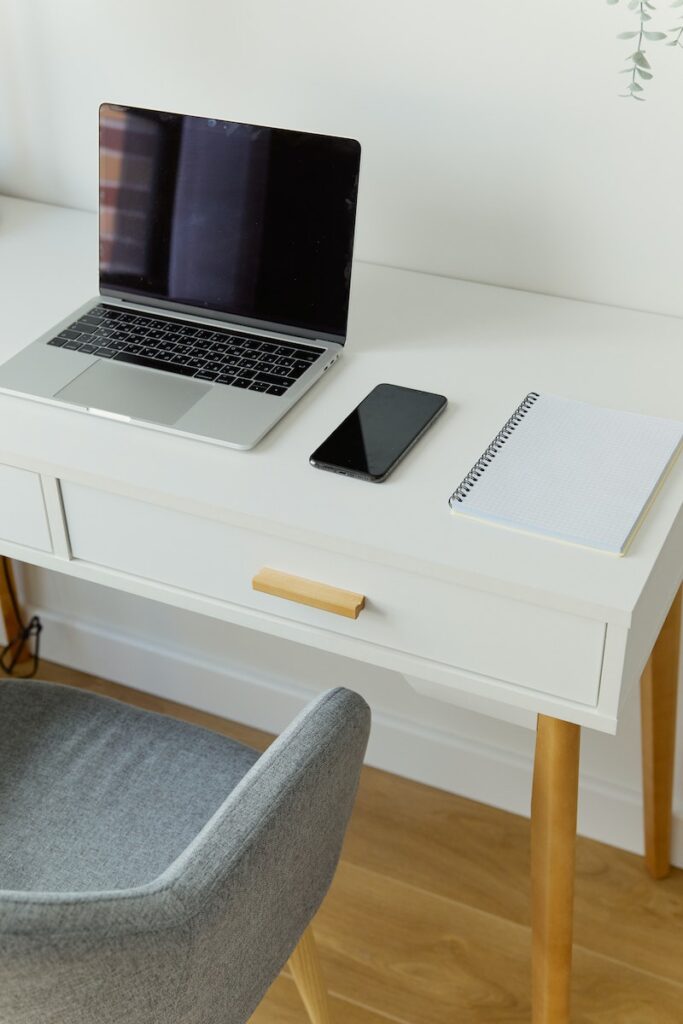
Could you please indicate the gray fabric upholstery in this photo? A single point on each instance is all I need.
(95, 794)
(172, 890)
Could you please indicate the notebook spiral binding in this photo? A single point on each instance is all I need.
(487, 457)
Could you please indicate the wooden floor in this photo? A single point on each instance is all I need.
(427, 921)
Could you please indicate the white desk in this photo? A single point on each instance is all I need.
(500, 622)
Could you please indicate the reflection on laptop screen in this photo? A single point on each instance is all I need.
(250, 221)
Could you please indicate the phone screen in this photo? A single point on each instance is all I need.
(373, 438)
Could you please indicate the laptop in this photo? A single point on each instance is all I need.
(225, 269)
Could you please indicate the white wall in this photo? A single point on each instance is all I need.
(495, 145)
(495, 148)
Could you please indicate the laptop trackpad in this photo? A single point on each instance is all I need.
(132, 391)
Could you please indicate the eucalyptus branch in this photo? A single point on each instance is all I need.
(638, 65)
(677, 31)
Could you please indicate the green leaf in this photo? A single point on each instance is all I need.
(654, 35)
(645, 17)
(674, 43)
(634, 87)
(633, 4)
(640, 59)
(628, 35)
(644, 74)
(641, 99)
(612, 1)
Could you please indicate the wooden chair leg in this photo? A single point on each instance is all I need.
(658, 693)
(304, 964)
(553, 841)
(8, 613)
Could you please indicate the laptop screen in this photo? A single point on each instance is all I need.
(252, 222)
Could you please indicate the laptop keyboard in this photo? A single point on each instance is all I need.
(177, 346)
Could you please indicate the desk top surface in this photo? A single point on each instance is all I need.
(484, 347)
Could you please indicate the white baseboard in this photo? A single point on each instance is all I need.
(439, 758)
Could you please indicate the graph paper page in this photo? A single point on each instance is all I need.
(575, 472)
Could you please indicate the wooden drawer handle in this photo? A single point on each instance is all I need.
(317, 595)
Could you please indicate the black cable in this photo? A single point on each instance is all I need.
(19, 643)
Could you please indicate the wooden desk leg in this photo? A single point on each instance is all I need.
(9, 616)
(658, 691)
(304, 964)
(553, 839)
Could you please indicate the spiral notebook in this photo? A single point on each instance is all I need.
(571, 471)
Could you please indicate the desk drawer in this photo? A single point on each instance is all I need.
(470, 630)
(22, 510)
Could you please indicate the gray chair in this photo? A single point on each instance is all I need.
(153, 872)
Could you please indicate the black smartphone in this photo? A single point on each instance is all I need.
(378, 433)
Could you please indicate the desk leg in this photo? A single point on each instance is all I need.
(553, 839)
(7, 611)
(658, 691)
(308, 977)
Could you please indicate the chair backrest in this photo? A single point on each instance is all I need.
(201, 943)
